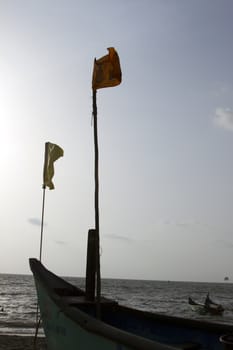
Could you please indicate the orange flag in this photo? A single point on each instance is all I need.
(107, 71)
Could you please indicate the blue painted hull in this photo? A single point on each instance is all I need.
(70, 322)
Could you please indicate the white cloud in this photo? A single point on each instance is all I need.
(35, 221)
(222, 89)
(118, 237)
(224, 118)
(61, 242)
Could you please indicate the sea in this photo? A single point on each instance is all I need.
(18, 300)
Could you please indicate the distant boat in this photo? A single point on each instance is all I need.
(226, 278)
(2, 311)
(208, 307)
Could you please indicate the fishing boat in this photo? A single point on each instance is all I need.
(71, 322)
(77, 319)
(208, 307)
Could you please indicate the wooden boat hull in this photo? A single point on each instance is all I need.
(70, 322)
(206, 309)
(202, 310)
(199, 309)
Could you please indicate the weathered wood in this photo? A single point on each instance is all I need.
(96, 148)
(91, 265)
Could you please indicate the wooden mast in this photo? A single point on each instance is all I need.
(106, 73)
(96, 171)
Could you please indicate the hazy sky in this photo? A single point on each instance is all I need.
(165, 136)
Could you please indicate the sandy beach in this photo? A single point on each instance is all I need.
(13, 342)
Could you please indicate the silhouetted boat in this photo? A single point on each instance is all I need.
(70, 322)
(208, 307)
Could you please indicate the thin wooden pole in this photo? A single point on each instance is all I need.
(98, 277)
(42, 222)
(38, 319)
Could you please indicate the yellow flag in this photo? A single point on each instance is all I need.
(52, 153)
(107, 70)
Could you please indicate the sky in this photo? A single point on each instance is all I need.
(165, 137)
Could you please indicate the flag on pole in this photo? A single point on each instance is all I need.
(52, 153)
(107, 70)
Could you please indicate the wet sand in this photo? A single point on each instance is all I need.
(14, 342)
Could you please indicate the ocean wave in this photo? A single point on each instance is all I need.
(17, 324)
